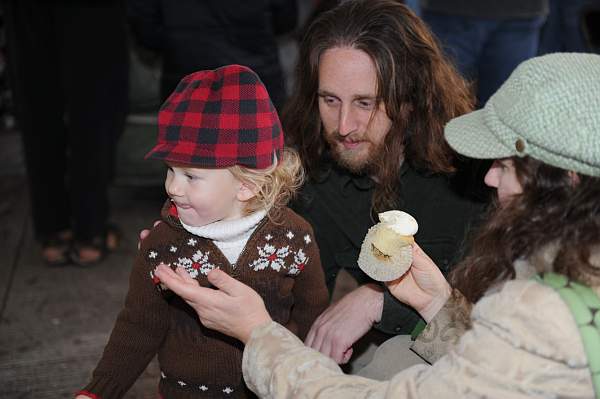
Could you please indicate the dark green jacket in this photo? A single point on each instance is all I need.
(338, 206)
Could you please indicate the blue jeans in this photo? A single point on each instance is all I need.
(486, 49)
(562, 30)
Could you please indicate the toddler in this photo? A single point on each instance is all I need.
(228, 180)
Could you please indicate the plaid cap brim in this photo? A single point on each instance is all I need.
(187, 154)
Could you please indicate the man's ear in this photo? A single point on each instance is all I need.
(245, 192)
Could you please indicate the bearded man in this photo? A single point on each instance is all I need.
(373, 93)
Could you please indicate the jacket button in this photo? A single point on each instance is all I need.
(520, 145)
(398, 329)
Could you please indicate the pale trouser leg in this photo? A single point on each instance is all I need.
(391, 357)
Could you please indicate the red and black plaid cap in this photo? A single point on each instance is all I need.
(217, 119)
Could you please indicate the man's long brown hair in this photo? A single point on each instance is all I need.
(421, 90)
(553, 208)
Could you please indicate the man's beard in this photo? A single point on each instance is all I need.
(357, 162)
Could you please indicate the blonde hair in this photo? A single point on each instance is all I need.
(274, 186)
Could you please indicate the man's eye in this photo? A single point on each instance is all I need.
(329, 100)
(191, 177)
(365, 104)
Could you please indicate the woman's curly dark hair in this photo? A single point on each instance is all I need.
(556, 206)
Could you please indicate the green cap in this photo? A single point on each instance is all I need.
(548, 109)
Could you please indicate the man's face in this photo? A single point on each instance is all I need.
(354, 121)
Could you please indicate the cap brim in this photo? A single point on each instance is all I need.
(168, 152)
(157, 152)
(469, 135)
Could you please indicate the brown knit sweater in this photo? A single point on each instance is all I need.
(280, 261)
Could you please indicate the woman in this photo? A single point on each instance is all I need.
(542, 127)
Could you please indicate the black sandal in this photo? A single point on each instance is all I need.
(100, 244)
(57, 247)
(97, 244)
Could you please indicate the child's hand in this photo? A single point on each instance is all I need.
(144, 233)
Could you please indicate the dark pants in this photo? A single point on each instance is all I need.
(563, 30)
(486, 49)
(69, 71)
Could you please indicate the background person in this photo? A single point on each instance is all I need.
(193, 35)
(486, 39)
(68, 67)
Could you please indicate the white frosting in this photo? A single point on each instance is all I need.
(401, 222)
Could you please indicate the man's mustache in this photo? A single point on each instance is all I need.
(348, 137)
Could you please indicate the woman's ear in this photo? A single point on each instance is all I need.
(245, 192)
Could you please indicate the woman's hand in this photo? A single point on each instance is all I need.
(233, 309)
(423, 286)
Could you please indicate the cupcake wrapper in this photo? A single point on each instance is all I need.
(391, 268)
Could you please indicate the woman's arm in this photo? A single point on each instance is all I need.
(502, 356)
(423, 286)
(445, 329)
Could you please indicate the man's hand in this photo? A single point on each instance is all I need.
(144, 233)
(233, 309)
(423, 286)
(343, 323)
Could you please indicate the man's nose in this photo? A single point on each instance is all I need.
(347, 121)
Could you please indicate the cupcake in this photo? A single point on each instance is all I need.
(386, 251)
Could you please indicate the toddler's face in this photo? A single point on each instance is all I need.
(203, 196)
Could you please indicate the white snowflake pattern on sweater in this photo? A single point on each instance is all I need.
(198, 264)
(300, 261)
(274, 258)
(270, 257)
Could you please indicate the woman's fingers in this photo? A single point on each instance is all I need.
(179, 282)
(233, 308)
(226, 283)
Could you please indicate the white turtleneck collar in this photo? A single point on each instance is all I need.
(230, 236)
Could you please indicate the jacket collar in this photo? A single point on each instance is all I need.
(542, 261)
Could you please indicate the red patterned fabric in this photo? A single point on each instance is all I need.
(219, 118)
(88, 394)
